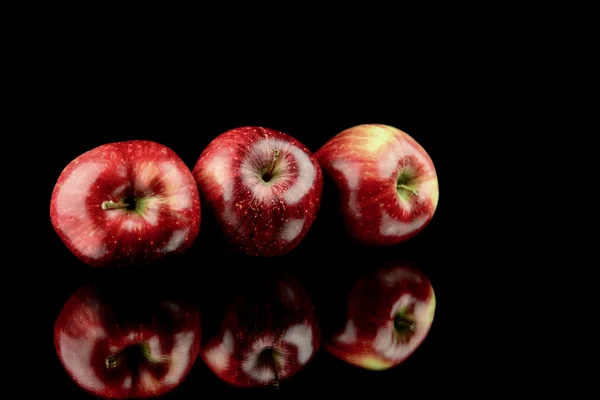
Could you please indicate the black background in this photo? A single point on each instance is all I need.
(82, 110)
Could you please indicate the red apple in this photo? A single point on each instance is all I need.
(117, 346)
(264, 187)
(268, 334)
(387, 183)
(389, 314)
(126, 203)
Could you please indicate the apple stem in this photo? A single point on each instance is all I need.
(269, 174)
(109, 204)
(412, 190)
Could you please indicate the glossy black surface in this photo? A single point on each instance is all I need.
(325, 262)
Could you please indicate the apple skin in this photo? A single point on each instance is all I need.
(95, 326)
(263, 186)
(85, 205)
(367, 163)
(389, 313)
(267, 334)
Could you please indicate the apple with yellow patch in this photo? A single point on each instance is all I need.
(386, 181)
(389, 313)
(126, 203)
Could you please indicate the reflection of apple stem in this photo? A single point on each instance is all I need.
(412, 190)
(268, 356)
(109, 204)
(401, 324)
(112, 362)
(135, 353)
(269, 174)
(275, 375)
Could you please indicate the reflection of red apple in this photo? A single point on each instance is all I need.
(126, 202)
(120, 347)
(264, 187)
(267, 335)
(389, 314)
(387, 182)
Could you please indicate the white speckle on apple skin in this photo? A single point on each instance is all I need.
(121, 169)
(351, 172)
(393, 227)
(75, 222)
(287, 292)
(76, 357)
(151, 213)
(306, 177)
(131, 224)
(291, 229)
(180, 357)
(154, 348)
(348, 336)
(147, 381)
(127, 382)
(145, 172)
(176, 240)
(176, 188)
(395, 276)
(220, 167)
(402, 303)
(173, 308)
(229, 216)
(218, 356)
(300, 335)
(112, 214)
(120, 189)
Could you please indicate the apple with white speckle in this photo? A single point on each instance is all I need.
(267, 335)
(263, 186)
(116, 345)
(126, 203)
(389, 313)
(386, 181)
